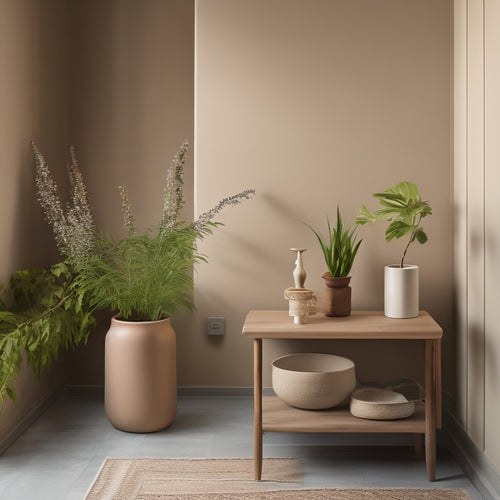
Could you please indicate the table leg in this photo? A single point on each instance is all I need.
(437, 384)
(257, 408)
(430, 409)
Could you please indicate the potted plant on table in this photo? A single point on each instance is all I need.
(145, 278)
(404, 209)
(339, 251)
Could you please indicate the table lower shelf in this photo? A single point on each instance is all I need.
(277, 416)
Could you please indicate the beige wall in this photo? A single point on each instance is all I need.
(130, 108)
(33, 40)
(316, 104)
(477, 250)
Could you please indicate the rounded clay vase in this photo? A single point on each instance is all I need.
(401, 291)
(140, 386)
(313, 381)
(337, 296)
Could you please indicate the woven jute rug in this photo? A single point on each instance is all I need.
(230, 479)
(156, 478)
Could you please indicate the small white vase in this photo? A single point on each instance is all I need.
(401, 291)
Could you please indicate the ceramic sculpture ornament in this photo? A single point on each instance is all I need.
(302, 301)
(299, 273)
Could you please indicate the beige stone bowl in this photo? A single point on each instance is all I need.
(380, 404)
(313, 381)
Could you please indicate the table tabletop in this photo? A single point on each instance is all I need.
(359, 325)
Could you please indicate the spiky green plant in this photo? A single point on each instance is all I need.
(340, 248)
(403, 207)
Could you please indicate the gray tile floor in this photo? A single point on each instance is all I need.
(58, 457)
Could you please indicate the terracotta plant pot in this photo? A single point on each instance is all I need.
(337, 296)
(140, 387)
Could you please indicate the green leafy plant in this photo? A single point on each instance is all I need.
(340, 248)
(47, 313)
(403, 207)
(143, 277)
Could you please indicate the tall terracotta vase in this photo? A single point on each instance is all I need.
(337, 296)
(140, 389)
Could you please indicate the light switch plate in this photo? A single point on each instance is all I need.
(215, 326)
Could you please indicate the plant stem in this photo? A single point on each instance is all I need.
(406, 249)
(412, 237)
(48, 312)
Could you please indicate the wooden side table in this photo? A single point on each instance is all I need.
(273, 415)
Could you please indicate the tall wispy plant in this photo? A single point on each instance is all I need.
(146, 277)
(142, 276)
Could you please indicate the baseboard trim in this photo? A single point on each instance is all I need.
(28, 419)
(86, 390)
(220, 391)
(98, 390)
(473, 461)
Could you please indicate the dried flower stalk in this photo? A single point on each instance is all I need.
(73, 228)
(173, 198)
(229, 201)
(128, 217)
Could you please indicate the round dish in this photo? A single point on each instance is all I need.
(380, 404)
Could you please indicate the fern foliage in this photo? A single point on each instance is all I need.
(143, 277)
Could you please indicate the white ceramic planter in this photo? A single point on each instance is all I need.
(401, 291)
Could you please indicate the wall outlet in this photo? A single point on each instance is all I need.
(215, 326)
